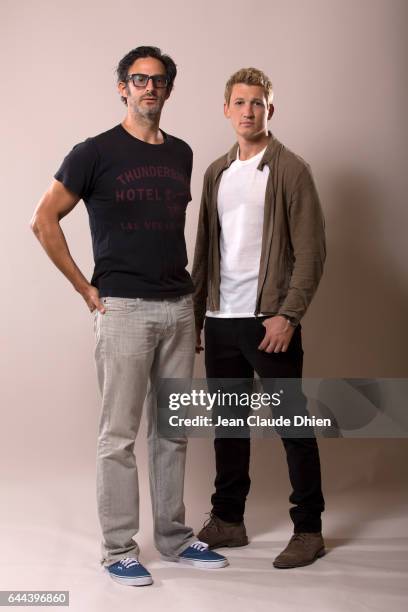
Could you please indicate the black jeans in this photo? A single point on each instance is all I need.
(231, 352)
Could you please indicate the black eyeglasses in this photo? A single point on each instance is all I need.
(141, 80)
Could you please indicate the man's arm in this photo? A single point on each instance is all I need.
(55, 204)
(306, 226)
(199, 273)
(307, 234)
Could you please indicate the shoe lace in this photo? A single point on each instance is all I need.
(301, 537)
(211, 522)
(129, 562)
(201, 546)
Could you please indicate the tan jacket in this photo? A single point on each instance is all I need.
(293, 242)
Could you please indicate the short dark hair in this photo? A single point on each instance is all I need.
(138, 52)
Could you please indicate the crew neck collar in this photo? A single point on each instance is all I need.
(255, 158)
(138, 140)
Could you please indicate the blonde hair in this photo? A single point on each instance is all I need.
(249, 76)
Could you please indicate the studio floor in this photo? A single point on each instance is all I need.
(50, 541)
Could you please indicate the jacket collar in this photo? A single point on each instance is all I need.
(271, 149)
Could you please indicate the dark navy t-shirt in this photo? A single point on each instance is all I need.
(136, 195)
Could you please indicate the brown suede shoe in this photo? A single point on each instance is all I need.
(217, 533)
(303, 549)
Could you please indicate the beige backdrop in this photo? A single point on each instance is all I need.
(340, 76)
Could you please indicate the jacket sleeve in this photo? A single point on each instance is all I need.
(306, 227)
(199, 273)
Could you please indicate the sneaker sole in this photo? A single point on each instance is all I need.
(319, 554)
(199, 564)
(142, 581)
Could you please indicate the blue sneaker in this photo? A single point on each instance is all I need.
(199, 555)
(129, 571)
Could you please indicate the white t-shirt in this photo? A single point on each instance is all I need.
(241, 200)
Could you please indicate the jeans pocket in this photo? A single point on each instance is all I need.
(133, 304)
(95, 316)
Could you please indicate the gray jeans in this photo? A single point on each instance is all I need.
(139, 341)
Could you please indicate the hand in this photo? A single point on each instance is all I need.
(199, 347)
(91, 297)
(278, 335)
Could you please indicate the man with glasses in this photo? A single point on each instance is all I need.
(135, 182)
(258, 261)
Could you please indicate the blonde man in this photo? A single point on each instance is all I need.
(258, 261)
